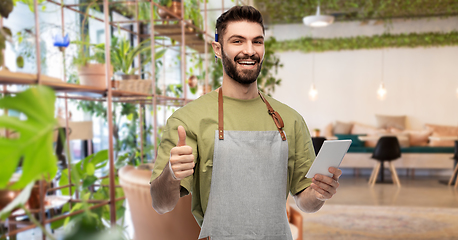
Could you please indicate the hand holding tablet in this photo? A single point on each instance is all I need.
(330, 155)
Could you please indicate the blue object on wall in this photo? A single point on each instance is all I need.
(60, 41)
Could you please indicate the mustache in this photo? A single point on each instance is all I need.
(246, 57)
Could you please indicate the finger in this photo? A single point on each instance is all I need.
(181, 136)
(182, 159)
(336, 173)
(326, 187)
(183, 174)
(325, 179)
(183, 150)
(325, 195)
(182, 167)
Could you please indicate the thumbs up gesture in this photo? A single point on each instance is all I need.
(181, 161)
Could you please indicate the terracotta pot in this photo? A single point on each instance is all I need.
(175, 8)
(192, 81)
(6, 196)
(93, 75)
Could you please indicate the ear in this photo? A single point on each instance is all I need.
(217, 49)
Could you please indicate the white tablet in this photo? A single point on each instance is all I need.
(330, 155)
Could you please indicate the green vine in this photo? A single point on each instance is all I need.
(280, 11)
(411, 40)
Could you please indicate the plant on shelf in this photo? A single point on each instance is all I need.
(123, 54)
(91, 72)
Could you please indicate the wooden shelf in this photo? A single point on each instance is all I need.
(193, 39)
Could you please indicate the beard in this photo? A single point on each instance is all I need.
(243, 76)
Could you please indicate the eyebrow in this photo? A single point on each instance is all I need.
(239, 36)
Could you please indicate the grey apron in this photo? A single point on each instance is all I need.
(249, 178)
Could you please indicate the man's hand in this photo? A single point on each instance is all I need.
(325, 187)
(181, 161)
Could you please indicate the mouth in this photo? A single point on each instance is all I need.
(247, 64)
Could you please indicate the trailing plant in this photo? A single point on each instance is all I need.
(410, 40)
(278, 11)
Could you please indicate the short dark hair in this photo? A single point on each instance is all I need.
(237, 14)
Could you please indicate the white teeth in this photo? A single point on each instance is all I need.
(246, 62)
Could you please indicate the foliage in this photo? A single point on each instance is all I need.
(410, 40)
(6, 7)
(83, 45)
(122, 54)
(125, 145)
(192, 11)
(34, 144)
(83, 176)
(278, 11)
(267, 80)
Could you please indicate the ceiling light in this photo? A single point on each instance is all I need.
(318, 20)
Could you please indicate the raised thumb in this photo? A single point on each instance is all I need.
(181, 136)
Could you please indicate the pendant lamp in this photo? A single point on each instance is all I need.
(313, 92)
(381, 92)
(318, 20)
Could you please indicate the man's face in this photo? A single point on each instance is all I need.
(242, 51)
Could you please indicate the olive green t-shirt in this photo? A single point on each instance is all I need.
(200, 120)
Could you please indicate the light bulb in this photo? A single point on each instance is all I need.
(313, 93)
(381, 92)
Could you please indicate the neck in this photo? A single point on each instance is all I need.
(233, 89)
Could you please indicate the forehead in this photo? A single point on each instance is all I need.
(244, 29)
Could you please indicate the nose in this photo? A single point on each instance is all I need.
(249, 50)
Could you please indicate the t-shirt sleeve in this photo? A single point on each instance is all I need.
(305, 155)
(169, 141)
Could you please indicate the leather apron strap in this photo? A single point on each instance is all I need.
(275, 116)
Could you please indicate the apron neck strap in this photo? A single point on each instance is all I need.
(275, 116)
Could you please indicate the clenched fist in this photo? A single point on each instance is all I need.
(181, 161)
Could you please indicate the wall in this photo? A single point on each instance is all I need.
(421, 82)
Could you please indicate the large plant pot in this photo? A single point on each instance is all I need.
(93, 75)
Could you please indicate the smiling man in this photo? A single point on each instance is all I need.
(238, 151)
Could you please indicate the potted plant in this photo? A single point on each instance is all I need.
(89, 73)
(122, 56)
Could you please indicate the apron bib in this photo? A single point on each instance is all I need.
(249, 178)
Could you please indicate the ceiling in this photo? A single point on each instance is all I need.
(292, 11)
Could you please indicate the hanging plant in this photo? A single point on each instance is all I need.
(410, 40)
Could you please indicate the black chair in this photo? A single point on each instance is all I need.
(317, 143)
(454, 177)
(386, 150)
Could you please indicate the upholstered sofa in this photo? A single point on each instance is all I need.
(420, 149)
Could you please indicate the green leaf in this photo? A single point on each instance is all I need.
(64, 181)
(20, 62)
(89, 180)
(90, 168)
(35, 143)
(21, 199)
(6, 7)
